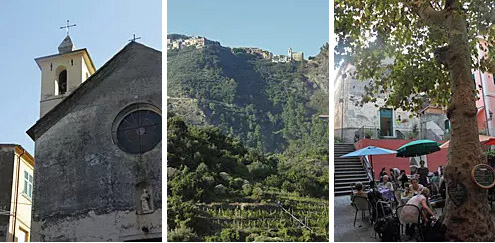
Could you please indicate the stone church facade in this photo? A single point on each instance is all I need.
(98, 149)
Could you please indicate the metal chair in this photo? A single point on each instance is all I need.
(414, 219)
(361, 204)
(397, 201)
(436, 195)
(381, 205)
(434, 188)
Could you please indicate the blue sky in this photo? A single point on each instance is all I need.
(30, 29)
(273, 25)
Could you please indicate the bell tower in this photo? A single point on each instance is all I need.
(62, 73)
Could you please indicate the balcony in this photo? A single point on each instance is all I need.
(371, 132)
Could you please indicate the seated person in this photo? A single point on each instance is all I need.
(409, 215)
(415, 188)
(386, 188)
(383, 172)
(360, 191)
(402, 178)
(435, 177)
(438, 201)
(394, 174)
(386, 183)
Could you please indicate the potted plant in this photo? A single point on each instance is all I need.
(414, 132)
(368, 133)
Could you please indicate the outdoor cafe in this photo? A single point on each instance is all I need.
(402, 203)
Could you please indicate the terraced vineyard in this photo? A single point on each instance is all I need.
(268, 221)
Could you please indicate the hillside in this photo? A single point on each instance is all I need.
(247, 151)
(218, 190)
(261, 103)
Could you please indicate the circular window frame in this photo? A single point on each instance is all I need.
(123, 114)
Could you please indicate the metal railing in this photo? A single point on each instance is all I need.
(366, 132)
(359, 134)
(399, 134)
(374, 133)
(435, 135)
(369, 169)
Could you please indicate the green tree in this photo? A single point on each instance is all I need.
(247, 189)
(433, 46)
(258, 192)
(259, 170)
(182, 234)
(231, 235)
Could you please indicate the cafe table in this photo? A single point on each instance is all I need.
(405, 198)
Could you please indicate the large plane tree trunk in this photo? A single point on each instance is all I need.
(467, 215)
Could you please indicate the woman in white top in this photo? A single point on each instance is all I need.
(419, 201)
(409, 215)
(386, 183)
(415, 188)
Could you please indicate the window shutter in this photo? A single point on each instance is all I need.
(25, 185)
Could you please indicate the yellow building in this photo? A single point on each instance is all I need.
(16, 192)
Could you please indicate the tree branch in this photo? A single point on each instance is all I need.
(428, 14)
(441, 55)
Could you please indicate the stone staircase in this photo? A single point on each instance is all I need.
(347, 170)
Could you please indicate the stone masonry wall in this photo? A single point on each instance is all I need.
(85, 185)
(6, 173)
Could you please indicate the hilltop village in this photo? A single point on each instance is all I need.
(199, 42)
(227, 109)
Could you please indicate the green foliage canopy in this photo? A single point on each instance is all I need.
(396, 43)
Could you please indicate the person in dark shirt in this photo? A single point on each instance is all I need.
(359, 191)
(394, 174)
(423, 173)
(402, 178)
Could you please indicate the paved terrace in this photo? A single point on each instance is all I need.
(344, 218)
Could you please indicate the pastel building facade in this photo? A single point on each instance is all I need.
(16, 193)
(485, 86)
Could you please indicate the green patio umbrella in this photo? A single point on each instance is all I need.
(418, 148)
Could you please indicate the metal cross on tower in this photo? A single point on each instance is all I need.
(134, 38)
(67, 26)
